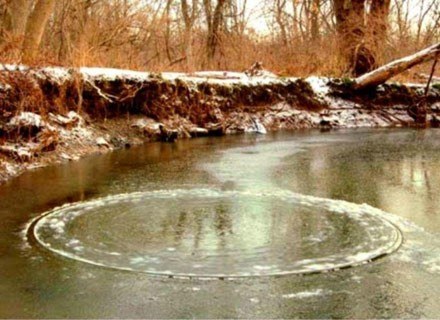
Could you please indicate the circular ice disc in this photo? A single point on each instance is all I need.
(212, 233)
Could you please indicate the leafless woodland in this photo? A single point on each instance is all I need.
(291, 37)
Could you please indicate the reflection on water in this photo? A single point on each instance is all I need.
(225, 234)
(396, 171)
(399, 173)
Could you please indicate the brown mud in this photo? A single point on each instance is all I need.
(54, 115)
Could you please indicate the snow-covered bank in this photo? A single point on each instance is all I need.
(51, 114)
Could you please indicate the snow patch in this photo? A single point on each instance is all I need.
(319, 85)
(113, 74)
(26, 119)
(306, 294)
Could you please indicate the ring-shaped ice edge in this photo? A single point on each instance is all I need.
(335, 206)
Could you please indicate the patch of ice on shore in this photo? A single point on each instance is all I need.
(113, 74)
(306, 294)
(26, 119)
(319, 85)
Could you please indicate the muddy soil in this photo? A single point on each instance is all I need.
(53, 115)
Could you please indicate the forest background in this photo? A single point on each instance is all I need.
(291, 37)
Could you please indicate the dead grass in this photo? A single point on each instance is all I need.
(21, 93)
(235, 52)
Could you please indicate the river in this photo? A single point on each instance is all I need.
(307, 224)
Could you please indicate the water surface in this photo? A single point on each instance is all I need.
(245, 206)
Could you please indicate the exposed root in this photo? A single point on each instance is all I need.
(54, 115)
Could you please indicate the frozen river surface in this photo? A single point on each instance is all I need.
(311, 225)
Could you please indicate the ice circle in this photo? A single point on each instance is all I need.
(212, 233)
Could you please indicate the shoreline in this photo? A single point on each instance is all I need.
(54, 115)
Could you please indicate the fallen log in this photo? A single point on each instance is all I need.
(382, 74)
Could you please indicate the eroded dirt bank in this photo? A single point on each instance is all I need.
(53, 115)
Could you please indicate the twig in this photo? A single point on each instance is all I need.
(178, 60)
(131, 94)
(103, 95)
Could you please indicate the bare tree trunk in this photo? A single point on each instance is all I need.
(168, 30)
(280, 6)
(295, 18)
(61, 19)
(189, 20)
(237, 14)
(402, 20)
(215, 21)
(19, 12)
(314, 20)
(382, 74)
(35, 28)
(378, 24)
(350, 26)
(13, 20)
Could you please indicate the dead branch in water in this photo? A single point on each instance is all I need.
(431, 75)
(382, 74)
(419, 111)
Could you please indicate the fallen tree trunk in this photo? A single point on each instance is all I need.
(382, 74)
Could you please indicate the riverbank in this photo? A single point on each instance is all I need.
(53, 115)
